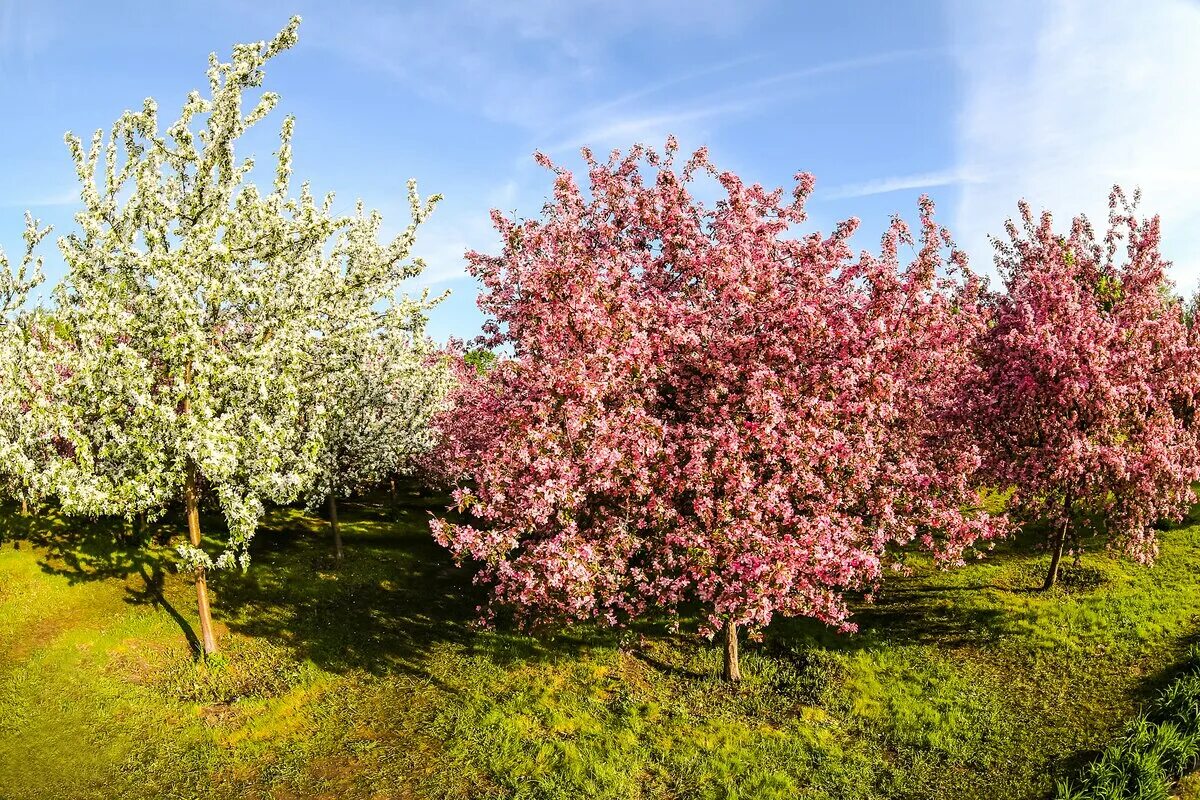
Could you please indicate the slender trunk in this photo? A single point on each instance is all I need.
(24, 507)
(392, 492)
(191, 501)
(333, 523)
(1060, 541)
(732, 672)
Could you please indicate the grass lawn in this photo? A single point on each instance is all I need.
(369, 681)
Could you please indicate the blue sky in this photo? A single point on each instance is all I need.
(976, 103)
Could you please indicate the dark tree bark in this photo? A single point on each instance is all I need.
(1060, 541)
(333, 523)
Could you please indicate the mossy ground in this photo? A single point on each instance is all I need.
(369, 680)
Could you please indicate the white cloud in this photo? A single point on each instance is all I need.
(515, 63)
(651, 129)
(1062, 100)
(443, 256)
(924, 180)
(459, 225)
(622, 121)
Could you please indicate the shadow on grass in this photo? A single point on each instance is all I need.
(87, 550)
(1149, 687)
(643, 655)
(395, 602)
(153, 595)
(941, 609)
(398, 601)
(388, 608)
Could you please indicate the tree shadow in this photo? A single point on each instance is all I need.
(88, 550)
(952, 613)
(643, 655)
(908, 613)
(395, 602)
(152, 594)
(85, 550)
(398, 601)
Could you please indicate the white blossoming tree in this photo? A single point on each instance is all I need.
(25, 448)
(380, 402)
(197, 313)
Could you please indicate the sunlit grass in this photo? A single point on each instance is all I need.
(370, 680)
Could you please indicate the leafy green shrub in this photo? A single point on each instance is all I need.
(1156, 749)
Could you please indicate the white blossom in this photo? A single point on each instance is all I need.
(26, 447)
(201, 314)
(389, 383)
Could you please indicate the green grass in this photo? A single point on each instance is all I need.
(370, 681)
(1156, 748)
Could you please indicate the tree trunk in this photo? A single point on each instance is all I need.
(392, 492)
(732, 672)
(1060, 541)
(191, 501)
(333, 523)
(24, 507)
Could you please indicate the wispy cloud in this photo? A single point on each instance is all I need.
(898, 183)
(459, 224)
(650, 129)
(1062, 100)
(627, 118)
(792, 77)
(671, 82)
(517, 63)
(600, 123)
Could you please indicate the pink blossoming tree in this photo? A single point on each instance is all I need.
(464, 429)
(1088, 380)
(702, 409)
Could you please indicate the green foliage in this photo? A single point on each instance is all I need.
(482, 360)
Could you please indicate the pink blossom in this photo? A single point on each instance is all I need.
(1086, 395)
(700, 406)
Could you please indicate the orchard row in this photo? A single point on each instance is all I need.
(675, 405)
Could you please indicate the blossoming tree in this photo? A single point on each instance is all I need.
(463, 428)
(1087, 391)
(701, 408)
(381, 393)
(197, 313)
(25, 447)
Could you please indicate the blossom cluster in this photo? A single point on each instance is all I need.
(701, 408)
(249, 343)
(674, 403)
(1089, 371)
